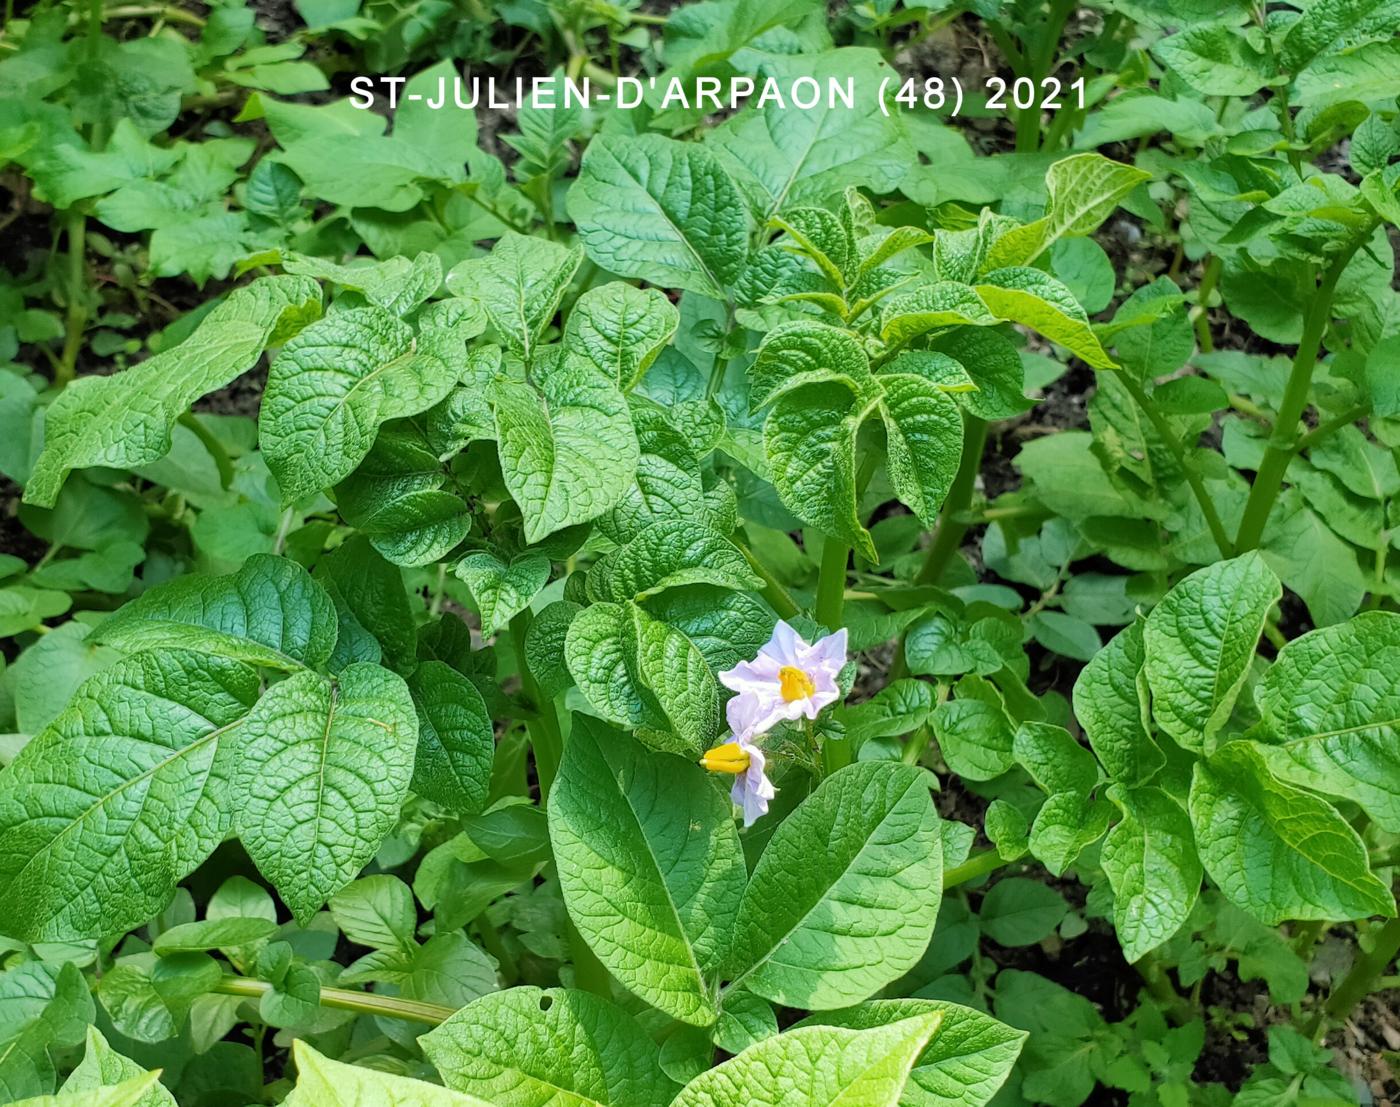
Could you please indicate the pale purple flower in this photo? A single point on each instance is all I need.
(752, 789)
(788, 679)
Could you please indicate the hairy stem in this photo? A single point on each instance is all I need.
(364, 1003)
(1209, 278)
(76, 315)
(1178, 451)
(949, 535)
(222, 462)
(773, 591)
(831, 583)
(1283, 442)
(546, 739)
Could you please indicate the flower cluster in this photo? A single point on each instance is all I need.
(788, 680)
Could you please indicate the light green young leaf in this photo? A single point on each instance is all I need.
(809, 439)
(1150, 860)
(806, 352)
(519, 284)
(1331, 702)
(1037, 300)
(671, 555)
(786, 157)
(323, 767)
(135, 1092)
(964, 1065)
(621, 329)
(377, 911)
(1199, 642)
(43, 1008)
(1277, 851)
(456, 739)
(526, 1047)
(1111, 703)
(567, 447)
(818, 1066)
(973, 731)
(322, 1082)
(923, 442)
(332, 386)
(649, 864)
(932, 307)
(103, 1070)
(502, 590)
(269, 613)
(1215, 59)
(121, 797)
(661, 210)
(794, 942)
(668, 485)
(125, 420)
(397, 284)
(1066, 824)
(1084, 189)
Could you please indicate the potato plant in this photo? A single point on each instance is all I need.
(886, 603)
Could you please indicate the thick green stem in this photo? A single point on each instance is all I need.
(978, 865)
(1193, 478)
(949, 535)
(364, 1003)
(222, 462)
(1209, 278)
(1284, 440)
(75, 321)
(546, 739)
(831, 583)
(1361, 980)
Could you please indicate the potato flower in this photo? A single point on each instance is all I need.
(752, 789)
(787, 680)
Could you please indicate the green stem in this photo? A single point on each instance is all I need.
(1361, 980)
(1172, 1002)
(546, 739)
(1178, 451)
(589, 973)
(1331, 426)
(949, 535)
(364, 1003)
(978, 865)
(1283, 442)
(75, 321)
(211, 443)
(831, 583)
(1210, 277)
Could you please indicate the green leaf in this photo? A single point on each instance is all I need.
(668, 485)
(322, 1082)
(1037, 300)
(1369, 74)
(324, 765)
(529, 1046)
(269, 613)
(806, 352)
(135, 1092)
(923, 442)
(621, 329)
(1150, 860)
(567, 447)
(519, 284)
(671, 555)
(665, 211)
(786, 157)
(932, 307)
(397, 284)
(649, 864)
(645, 675)
(1216, 60)
(332, 386)
(1277, 851)
(1331, 703)
(817, 1066)
(126, 420)
(973, 731)
(456, 739)
(1084, 189)
(964, 1065)
(809, 439)
(795, 942)
(371, 592)
(225, 933)
(43, 1007)
(103, 1069)
(502, 590)
(377, 911)
(1021, 912)
(1110, 701)
(1199, 643)
(121, 796)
